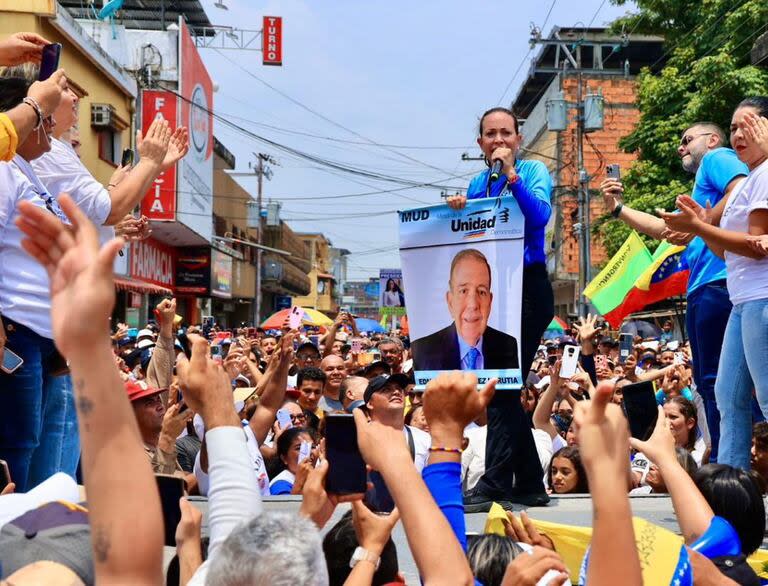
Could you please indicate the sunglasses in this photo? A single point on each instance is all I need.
(686, 140)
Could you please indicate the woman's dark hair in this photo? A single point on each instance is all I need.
(759, 103)
(286, 439)
(501, 109)
(12, 91)
(338, 546)
(688, 411)
(396, 289)
(571, 453)
(489, 555)
(735, 495)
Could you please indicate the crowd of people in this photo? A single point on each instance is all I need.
(240, 415)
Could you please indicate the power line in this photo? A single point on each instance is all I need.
(594, 16)
(323, 117)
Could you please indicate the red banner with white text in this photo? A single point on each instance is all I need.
(159, 203)
(272, 40)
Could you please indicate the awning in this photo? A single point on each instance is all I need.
(130, 284)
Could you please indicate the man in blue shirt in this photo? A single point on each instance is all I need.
(718, 170)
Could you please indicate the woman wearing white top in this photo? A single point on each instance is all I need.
(392, 294)
(743, 365)
(26, 394)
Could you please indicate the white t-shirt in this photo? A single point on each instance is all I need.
(747, 277)
(61, 170)
(24, 287)
(259, 467)
(422, 441)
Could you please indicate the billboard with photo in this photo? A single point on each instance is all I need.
(391, 292)
(195, 171)
(463, 273)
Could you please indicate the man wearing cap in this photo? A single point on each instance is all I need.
(468, 343)
(158, 427)
(385, 401)
(335, 371)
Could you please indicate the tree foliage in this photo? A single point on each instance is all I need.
(706, 73)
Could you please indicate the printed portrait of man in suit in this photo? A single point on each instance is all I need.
(468, 343)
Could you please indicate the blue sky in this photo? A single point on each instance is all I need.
(407, 74)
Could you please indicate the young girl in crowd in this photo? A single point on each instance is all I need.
(566, 474)
(683, 422)
(288, 448)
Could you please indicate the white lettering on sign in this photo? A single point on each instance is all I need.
(159, 103)
(152, 264)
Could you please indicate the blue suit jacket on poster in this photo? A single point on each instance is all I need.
(440, 351)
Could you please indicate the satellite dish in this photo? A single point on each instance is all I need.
(109, 8)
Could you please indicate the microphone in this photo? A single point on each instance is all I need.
(496, 170)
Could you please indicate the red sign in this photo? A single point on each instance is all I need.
(160, 201)
(152, 261)
(272, 40)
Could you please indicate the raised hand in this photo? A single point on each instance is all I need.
(80, 273)
(178, 147)
(586, 327)
(456, 202)
(154, 146)
(381, 446)
(611, 190)
(48, 93)
(660, 447)
(690, 216)
(165, 311)
(677, 238)
(22, 48)
(206, 387)
(452, 401)
(756, 131)
(133, 229)
(373, 531)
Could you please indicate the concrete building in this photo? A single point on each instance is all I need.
(558, 149)
(322, 282)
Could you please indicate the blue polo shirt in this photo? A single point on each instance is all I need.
(533, 192)
(718, 168)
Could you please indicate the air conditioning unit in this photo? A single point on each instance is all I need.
(101, 115)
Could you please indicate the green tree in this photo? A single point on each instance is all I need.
(706, 73)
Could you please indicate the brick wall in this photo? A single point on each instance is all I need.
(620, 117)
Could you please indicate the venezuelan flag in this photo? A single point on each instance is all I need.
(666, 277)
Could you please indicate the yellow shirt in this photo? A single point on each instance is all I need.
(8, 138)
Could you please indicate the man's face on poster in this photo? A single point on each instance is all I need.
(469, 298)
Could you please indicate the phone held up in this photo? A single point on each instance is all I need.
(569, 361)
(171, 489)
(346, 467)
(613, 172)
(127, 158)
(50, 61)
(625, 346)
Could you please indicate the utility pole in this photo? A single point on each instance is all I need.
(261, 170)
(588, 118)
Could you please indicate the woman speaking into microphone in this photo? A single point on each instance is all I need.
(513, 473)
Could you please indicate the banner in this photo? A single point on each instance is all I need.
(221, 274)
(153, 262)
(160, 201)
(193, 271)
(272, 40)
(391, 294)
(195, 171)
(463, 271)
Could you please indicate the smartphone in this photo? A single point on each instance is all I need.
(346, 467)
(216, 352)
(625, 346)
(551, 359)
(680, 358)
(294, 318)
(5, 475)
(251, 332)
(356, 346)
(601, 361)
(570, 361)
(613, 172)
(305, 450)
(171, 489)
(641, 409)
(127, 158)
(11, 361)
(284, 419)
(50, 61)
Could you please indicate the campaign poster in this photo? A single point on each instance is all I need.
(463, 271)
(391, 292)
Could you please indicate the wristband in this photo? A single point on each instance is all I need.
(32, 103)
(617, 210)
(445, 449)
